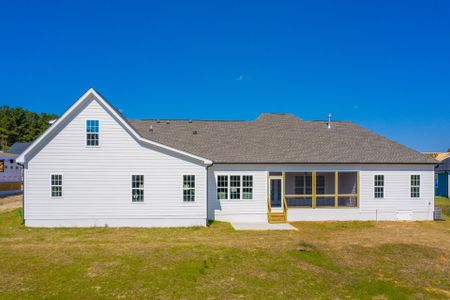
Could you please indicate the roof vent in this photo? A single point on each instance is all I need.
(329, 120)
(158, 121)
(194, 132)
(151, 128)
(167, 122)
(190, 121)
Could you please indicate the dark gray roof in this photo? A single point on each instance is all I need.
(278, 138)
(18, 148)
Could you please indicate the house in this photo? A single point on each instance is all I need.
(93, 167)
(18, 147)
(442, 173)
(10, 174)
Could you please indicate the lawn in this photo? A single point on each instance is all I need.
(356, 260)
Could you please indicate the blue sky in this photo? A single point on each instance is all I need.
(382, 64)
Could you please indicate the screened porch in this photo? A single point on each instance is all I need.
(339, 189)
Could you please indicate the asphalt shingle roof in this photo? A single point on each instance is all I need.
(18, 148)
(278, 138)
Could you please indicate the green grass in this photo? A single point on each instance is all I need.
(323, 260)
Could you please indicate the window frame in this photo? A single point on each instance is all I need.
(138, 188)
(87, 133)
(60, 185)
(378, 190)
(184, 188)
(241, 187)
(413, 192)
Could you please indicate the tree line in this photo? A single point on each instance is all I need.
(21, 125)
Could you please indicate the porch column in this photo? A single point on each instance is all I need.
(314, 183)
(336, 187)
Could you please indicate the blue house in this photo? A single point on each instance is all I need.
(442, 173)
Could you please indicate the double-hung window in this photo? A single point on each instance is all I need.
(415, 186)
(234, 187)
(222, 187)
(379, 186)
(189, 188)
(247, 189)
(92, 133)
(56, 185)
(137, 188)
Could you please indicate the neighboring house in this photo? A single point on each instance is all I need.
(442, 173)
(18, 147)
(93, 167)
(10, 174)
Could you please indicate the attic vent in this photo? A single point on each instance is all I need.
(194, 132)
(151, 128)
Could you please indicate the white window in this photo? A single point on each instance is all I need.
(56, 185)
(379, 186)
(415, 186)
(189, 188)
(222, 187)
(234, 187)
(137, 188)
(247, 190)
(92, 132)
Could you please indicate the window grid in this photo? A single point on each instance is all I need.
(379, 186)
(92, 132)
(415, 186)
(247, 187)
(137, 188)
(56, 185)
(189, 188)
(234, 187)
(222, 187)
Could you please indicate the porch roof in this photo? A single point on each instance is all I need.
(278, 138)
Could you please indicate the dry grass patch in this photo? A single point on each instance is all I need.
(324, 260)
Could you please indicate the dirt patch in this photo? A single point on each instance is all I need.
(10, 202)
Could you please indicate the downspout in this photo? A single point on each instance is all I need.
(207, 189)
(23, 191)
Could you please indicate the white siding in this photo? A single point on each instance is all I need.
(254, 210)
(97, 181)
(396, 205)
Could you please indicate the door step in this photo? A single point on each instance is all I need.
(277, 217)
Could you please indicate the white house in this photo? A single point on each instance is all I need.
(93, 167)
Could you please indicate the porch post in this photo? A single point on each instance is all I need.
(358, 189)
(314, 182)
(283, 187)
(336, 187)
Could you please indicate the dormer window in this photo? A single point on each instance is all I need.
(92, 132)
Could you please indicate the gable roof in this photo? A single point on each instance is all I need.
(88, 97)
(443, 158)
(279, 138)
(18, 148)
(272, 138)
